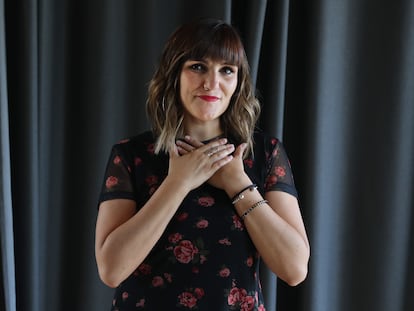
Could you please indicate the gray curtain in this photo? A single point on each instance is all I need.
(336, 80)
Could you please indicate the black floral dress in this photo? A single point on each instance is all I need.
(205, 260)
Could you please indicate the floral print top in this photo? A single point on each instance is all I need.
(205, 260)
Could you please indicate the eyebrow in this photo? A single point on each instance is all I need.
(203, 60)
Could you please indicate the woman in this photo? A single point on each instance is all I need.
(188, 209)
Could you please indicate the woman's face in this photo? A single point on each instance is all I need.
(206, 88)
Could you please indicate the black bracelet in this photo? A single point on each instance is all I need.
(240, 195)
(252, 208)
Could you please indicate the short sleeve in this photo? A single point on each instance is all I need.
(118, 180)
(279, 175)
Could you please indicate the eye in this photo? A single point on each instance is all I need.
(197, 67)
(227, 70)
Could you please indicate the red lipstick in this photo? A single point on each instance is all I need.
(209, 98)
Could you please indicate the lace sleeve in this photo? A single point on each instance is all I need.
(279, 174)
(117, 183)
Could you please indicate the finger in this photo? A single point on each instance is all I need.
(183, 147)
(213, 146)
(240, 150)
(220, 151)
(196, 143)
(223, 161)
(192, 141)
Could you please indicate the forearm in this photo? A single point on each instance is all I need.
(281, 246)
(124, 249)
(279, 238)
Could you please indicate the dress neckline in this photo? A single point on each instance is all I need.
(214, 138)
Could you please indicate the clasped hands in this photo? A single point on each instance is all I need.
(217, 162)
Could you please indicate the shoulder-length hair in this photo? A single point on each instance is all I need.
(201, 39)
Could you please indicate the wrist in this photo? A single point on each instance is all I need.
(235, 187)
(178, 184)
(241, 194)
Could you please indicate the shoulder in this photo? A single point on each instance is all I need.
(263, 140)
(140, 144)
(146, 137)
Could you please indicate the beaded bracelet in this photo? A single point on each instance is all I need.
(239, 196)
(252, 208)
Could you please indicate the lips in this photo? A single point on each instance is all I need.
(209, 98)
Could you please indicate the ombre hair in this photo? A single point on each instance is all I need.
(201, 39)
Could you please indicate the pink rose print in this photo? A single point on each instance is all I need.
(185, 251)
(224, 273)
(150, 148)
(140, 303)
(280, 171)
(195, 270)
(239, 299)
(261, 308)
(248, 162)
(168, 277)
(152, 190)
(145, 269)
(157, 281)
(225, 241)
(273, 141)
(182, 216)
(137, 161)
(202, 224)
(174, 237)
(237, 224)
(236, 295)
(151, 180)
(270, 181)
(117, 160)
(199, 292)
(249, 261)
(111, 181)
(125, 295)
(247, 304)
(206, 201)
(203, 259)
(187, 299)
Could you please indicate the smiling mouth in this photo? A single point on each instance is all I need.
(209, 98)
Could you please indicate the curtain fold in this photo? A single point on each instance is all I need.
(7, 269)
(336, 82)
(355, 149)
(23, 105)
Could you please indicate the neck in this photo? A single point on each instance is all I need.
(203, 132)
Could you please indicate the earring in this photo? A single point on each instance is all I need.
(163, 104)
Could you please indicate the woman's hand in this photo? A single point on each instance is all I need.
(194, 166)
(230, 173)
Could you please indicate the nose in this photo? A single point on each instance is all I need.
(211, 81)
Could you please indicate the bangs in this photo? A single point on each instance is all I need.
(221, 46)
(214, 40)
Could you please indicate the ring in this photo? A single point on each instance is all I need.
(211, 151)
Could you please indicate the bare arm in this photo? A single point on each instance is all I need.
(278, 233)
(276, 228)
(124, 238)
